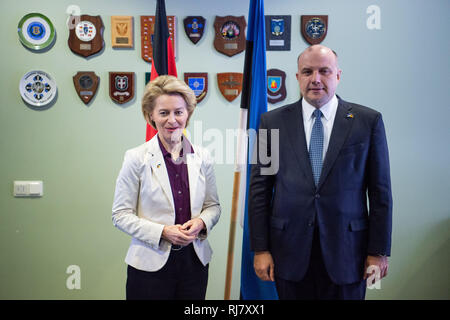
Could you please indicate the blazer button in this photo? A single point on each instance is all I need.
(317, 196)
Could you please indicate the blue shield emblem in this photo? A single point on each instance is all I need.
(194, 27)
(36, 30)
(277, 26)
(198, 82)
(276, 85)
(197, 85)
(273, 83)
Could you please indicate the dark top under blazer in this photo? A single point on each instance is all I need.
(351, 206)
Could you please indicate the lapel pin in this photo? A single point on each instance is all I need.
(350, 115)
(158, 165)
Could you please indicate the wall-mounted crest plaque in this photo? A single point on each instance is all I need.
(122, 31)
(230, 84)
(86, 84)
(147, 31)
(314, 28)
(36, 31)
(198, 82)
(276, 85)
(121, 86)
(194, 27)
(37, 88)
(86, 37)
(278, 33)
(230, 34)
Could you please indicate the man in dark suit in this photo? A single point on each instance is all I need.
(321, 224)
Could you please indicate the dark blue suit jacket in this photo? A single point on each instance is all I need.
(352, 205)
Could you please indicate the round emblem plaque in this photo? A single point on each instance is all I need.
(315, 28)
(85, 31)
(36, 32)
(37, 88)
(230, 30)
(86, 82)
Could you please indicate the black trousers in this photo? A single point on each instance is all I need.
(317, 285)
(183, 277)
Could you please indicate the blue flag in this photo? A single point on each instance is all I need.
(254, 98)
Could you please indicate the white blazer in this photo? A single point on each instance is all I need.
(143, 203)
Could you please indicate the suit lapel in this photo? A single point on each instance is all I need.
(193, 165)
(341, 128)
(156, 161)
(296, 134)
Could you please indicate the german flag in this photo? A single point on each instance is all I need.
(163, 59)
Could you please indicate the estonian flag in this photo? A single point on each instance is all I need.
(254, 98)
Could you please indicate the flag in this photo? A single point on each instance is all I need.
(254, 98)
(163, 59)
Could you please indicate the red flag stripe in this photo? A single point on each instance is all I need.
(171, 67)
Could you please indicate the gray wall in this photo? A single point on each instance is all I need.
(402, 70)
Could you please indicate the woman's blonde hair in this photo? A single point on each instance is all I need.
(169, 85)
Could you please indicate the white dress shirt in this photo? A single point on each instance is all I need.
(328, 114)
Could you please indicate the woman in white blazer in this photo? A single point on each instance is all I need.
(166, 199)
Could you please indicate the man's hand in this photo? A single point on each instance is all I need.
(264, 267)
(373, 265)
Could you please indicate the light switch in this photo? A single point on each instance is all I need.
(35, 188)
(28, 189)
